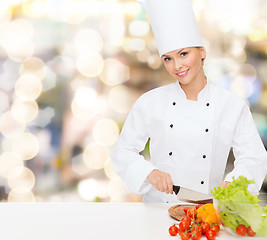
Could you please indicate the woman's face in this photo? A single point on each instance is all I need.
(186, 64)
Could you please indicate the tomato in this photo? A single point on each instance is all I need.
(196, 235)
(197, 227)
(173, 230)
(205, 228)
(192, 213)
(215, 228)
(198, 206)
(241, 230)
(250, 232)
(184, 236)
(186, 209)
(186, 219)
(198, 220)
(210, 235)
(184, 225)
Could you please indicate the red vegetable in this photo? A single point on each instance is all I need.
(173, 230)
(184, 236)
(210, 235)
(241, 230)
(205, 228)
(184, 225)
(250, 232)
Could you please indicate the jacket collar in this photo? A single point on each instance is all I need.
(201, 96)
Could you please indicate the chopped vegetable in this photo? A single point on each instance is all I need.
(239, 206)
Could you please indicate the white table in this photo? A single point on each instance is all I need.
(87, 221)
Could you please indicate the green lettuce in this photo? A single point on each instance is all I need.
(239, 206)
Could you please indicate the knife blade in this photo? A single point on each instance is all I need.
(191, 196)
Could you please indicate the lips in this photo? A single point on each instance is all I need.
(183, 73)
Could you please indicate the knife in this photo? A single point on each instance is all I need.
(191, 196)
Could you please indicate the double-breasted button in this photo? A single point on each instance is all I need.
(173, 103)
(204, 156)
(207, 104)
(170, 153)
(171, 126)
(206, 130)
(202, 182)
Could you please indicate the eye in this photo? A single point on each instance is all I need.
(184, 54)
(167, 59)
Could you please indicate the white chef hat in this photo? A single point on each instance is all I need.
(173, 24)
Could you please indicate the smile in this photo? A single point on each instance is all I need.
(183, 73)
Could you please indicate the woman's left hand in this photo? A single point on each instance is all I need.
(224, 184)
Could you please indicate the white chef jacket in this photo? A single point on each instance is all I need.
(190, 140)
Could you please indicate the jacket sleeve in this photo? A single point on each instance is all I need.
(126, 159)
(250, 154)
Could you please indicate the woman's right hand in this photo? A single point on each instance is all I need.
(162, 181)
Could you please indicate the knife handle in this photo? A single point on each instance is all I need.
(176, 189)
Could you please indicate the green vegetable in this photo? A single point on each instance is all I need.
(239, 206)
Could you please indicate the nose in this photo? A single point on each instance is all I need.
(178, 65)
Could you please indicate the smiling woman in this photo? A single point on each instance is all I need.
(191, 124)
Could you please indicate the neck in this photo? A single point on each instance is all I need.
(194, 88)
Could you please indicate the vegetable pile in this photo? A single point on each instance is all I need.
(239, 209)
(199, 221)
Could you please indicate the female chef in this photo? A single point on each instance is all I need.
(191, 123)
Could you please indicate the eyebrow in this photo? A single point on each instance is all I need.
(165, 55)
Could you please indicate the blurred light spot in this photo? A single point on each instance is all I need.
(134, 44)
(117, 190)
(120, 99)
(17, 29)
(28, 87)
(109, 170)
(257, 35)
(85, 97)
(112, 29)
(24, 111)
(263, 100)
(5, 12)
(9, 75)
(95, 156)
(143, 55)
(154, 61)
(8, 162)
(22, 50)
(35, 66)
(86, 104)
(106, 132)
(242, 86)
(88, 40)
(237, 45)
(114, 72)
(90, 64)
(34, 8)
(9, 126)
(14, 196)
(21, 180)
(44, 117)
(4, 101)
(79, 167)
(132, 8)
(249, 71)
(88, 189)
(26, 145)
(139, 28)
(49, 81)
